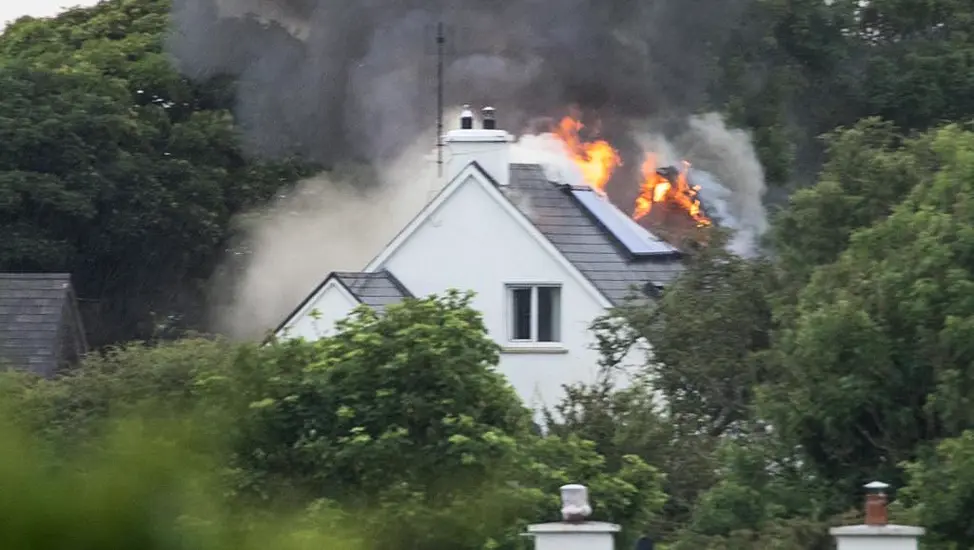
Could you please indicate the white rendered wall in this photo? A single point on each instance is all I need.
(332, 303)
(473, 243)
(877, 543)
(871, 537)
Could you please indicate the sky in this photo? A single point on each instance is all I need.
(12, 9)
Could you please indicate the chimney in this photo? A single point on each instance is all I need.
(574, 532)
(876, 502)
(490, 123)
(877, 532)
(487, 146)
(466, 118)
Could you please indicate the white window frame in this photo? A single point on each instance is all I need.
(511, 319)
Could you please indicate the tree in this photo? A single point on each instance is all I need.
(703, 334)
(917, 69)
(117, 169)
(404, 410)
(877, 360)
(135, 486)
(704, 337)
(628, 422)
(939, 493)
(869, 169)
(800, 68)
(398, 418)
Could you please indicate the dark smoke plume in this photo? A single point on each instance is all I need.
(354, 82)
(341, 79)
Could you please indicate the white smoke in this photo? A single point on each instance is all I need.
(730, 176)
(549, 152)
(331, 222)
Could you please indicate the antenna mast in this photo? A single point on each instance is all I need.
(440, 41)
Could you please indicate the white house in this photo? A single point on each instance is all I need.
(545, 260)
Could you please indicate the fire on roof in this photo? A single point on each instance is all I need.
(668, 202)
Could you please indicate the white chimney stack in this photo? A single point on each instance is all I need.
(487, 146)
(877, 533)
(575, 532)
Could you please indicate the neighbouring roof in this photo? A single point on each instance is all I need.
(37, 312)
(584, 242)
(377, 290)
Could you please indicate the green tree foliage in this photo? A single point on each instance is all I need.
(800, 68)
(704, 337)
(772, 389)
(876, 361)
(842, 357)
(939, 495)
(397, 420)
(870, 168)
(704, 333)
(135, 488)
(117, 169)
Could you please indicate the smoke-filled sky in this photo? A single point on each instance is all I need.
(13, 9)
(336, 79)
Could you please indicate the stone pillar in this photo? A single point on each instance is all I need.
(877, 533)
(574, 532)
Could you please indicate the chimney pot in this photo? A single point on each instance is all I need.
(574, 503)
(876, 504)
(490, 120)
(489, 148)
(466, 118)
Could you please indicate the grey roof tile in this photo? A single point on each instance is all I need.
(32, 309)
(378, 290)
(582, 240)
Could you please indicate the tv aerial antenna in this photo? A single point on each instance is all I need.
(444, 45)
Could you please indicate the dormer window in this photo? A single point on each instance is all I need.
(534, 313)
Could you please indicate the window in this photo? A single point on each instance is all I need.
(535, 313)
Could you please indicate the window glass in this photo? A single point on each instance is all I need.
(548, 313)
(521, 313)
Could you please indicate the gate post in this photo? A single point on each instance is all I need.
(877, 533)
(574, 532)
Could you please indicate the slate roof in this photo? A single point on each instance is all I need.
(567, 224)
(377, 290)
(583, 241)
(33, 324)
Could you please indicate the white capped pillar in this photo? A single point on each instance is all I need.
(877, 533)
(574, 532)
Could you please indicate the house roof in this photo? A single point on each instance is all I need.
(377, 290)
(582, 239)
(32, 316)
(573, 230)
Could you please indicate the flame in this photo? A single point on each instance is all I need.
(597, 160)
(657, 188)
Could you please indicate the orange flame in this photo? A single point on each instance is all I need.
(597, 160)
(656, 188)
